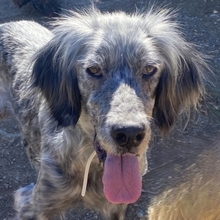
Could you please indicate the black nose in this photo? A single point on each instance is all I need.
(128, 136)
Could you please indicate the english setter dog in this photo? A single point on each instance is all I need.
(85, 95)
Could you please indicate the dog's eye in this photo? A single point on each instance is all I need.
(149, 70)
(94, 71)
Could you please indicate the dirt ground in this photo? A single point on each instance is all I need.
(201, 24)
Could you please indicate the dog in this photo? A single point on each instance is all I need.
(85, 95)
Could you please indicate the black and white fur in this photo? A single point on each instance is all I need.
(64, 108)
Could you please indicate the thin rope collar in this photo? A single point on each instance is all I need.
(86, 173)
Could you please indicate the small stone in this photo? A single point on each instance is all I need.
(214, 15)
(6, 185)
(141, 214)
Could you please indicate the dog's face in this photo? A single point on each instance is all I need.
(122, 71)
(117, 80)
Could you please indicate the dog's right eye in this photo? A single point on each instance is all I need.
(149, 70)
(94, 71)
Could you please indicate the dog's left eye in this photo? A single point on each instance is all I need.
(149, 70)
(94, 71)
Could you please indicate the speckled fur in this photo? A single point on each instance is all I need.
(60, 107)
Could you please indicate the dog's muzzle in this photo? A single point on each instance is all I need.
(122, 180)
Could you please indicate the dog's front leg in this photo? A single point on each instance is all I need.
(53, 193)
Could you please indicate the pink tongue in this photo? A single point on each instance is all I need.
(122, 179)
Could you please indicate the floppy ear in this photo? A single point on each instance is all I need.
(57, 81)
(181, 84)
(180, 87)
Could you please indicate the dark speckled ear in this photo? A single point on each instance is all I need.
(175, 93)
(58, 84)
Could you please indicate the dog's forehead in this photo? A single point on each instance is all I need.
(121, 29)
(123, 37)
(120, 41)
(111, 36)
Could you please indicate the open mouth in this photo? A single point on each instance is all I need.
(122, 180)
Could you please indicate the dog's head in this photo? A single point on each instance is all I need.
(122, 71)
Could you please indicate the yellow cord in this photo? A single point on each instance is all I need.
(86, 173)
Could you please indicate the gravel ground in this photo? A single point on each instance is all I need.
(201, 23)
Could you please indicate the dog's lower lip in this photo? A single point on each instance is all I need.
(100, 152)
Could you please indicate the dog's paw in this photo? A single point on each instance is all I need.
(23, 203)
